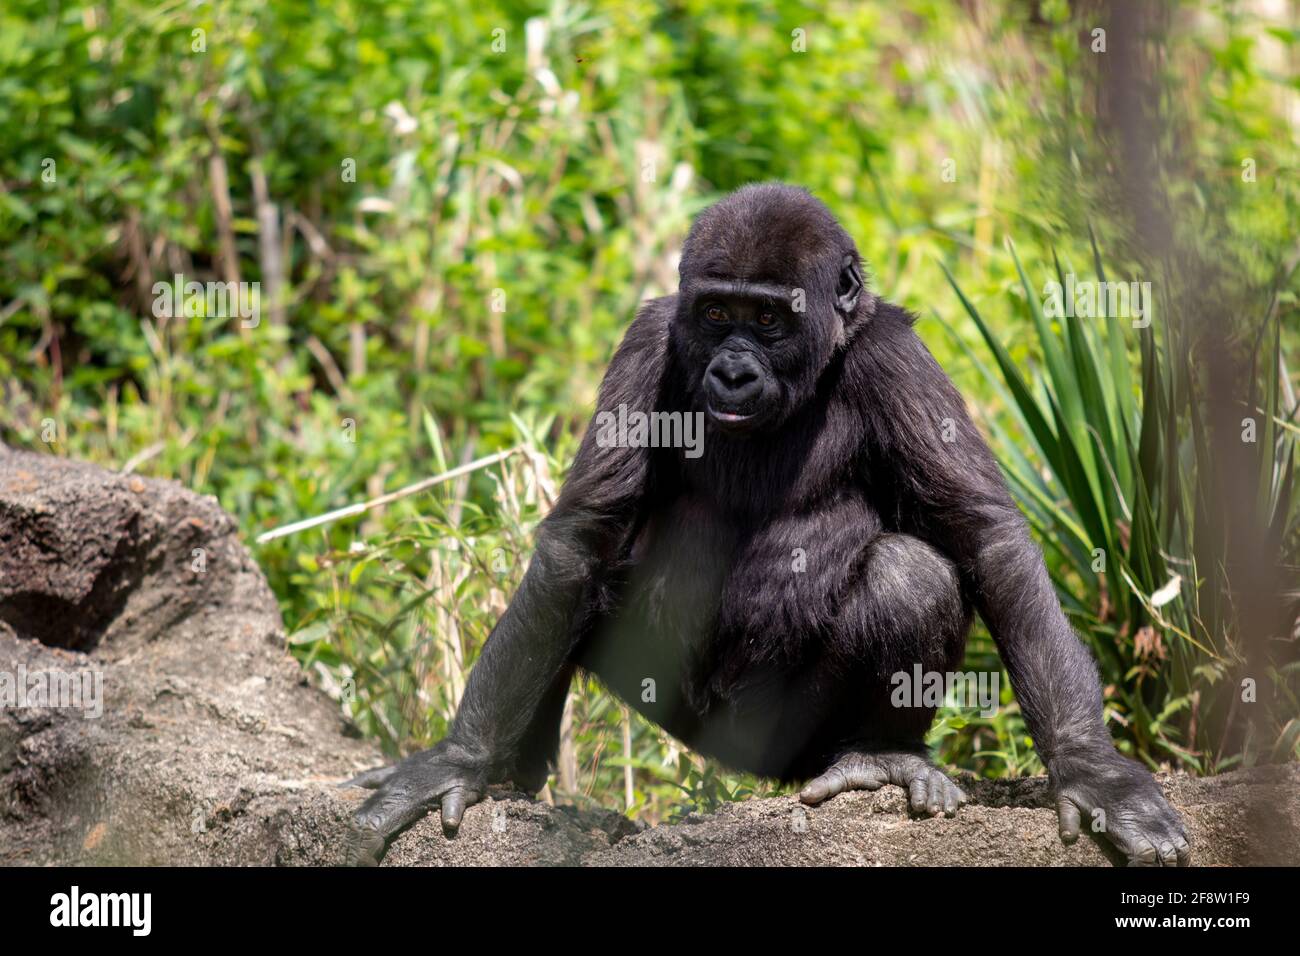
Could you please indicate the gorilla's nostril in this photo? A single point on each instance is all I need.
(734, 379)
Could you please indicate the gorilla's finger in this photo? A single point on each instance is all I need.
(934, 801)
(1068, 819)
(1184, 850)
(453, 808)
(953, 797)
(829, 784)
(364, 847)
(1168, 855)
(864, 775)
(389, 810)
(1137, 848)
(371, 779)
(918, 792)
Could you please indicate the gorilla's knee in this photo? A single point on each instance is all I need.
(916, 588)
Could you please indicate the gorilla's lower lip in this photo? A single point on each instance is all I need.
(730, 417)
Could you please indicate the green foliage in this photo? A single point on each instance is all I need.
(1117, 503)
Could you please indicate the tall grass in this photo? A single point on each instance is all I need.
(1110, 459)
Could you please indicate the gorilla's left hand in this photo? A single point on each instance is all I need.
(1118, 797)
(449, 775)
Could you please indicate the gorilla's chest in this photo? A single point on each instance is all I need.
(729, 590)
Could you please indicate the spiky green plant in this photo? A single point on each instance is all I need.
(1110, 461)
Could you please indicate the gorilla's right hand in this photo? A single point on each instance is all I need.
(448, 775)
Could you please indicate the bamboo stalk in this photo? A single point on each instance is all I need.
(568, 762)
(629, 792)
(219, 182)
(364, 506)
(268, 240)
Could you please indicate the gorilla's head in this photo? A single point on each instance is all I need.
(771, 286)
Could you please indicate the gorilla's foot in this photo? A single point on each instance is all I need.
(930, 791)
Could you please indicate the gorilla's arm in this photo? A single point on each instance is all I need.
(530, 644)
(952, 493)
(596, 509)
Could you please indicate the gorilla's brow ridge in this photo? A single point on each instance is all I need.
(772, 292)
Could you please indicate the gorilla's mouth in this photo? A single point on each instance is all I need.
(728, 418)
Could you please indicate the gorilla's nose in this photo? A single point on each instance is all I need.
(734, 379)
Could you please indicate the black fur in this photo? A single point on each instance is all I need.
(825, 443)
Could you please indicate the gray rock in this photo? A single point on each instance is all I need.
(213, 750)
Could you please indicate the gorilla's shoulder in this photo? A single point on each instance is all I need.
(657, 312)
(650, 327)
(887, 331)
(891, 316)
(886, 353)
(646, 340)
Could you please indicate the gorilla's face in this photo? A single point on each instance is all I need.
(753, 344)
(770, 288)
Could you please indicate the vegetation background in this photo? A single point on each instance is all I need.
(453, 210)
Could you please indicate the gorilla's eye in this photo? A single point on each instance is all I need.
(766, 319)
(715, 313)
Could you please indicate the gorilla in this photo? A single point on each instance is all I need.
(840, 525)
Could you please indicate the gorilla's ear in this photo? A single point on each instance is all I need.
(849, 286)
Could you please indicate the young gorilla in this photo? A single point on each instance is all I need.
(755, 600)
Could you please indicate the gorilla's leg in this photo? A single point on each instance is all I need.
(906, 609)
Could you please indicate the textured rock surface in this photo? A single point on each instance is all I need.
(212, 749)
